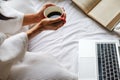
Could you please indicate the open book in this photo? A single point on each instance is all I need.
(105, 12)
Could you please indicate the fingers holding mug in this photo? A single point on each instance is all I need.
(55, 16)
(55, 12)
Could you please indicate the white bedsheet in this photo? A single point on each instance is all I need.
(63, 43)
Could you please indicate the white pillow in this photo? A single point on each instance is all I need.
(40, 67)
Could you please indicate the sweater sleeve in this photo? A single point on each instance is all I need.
(11, 26)
(13, 47)
(11, 50)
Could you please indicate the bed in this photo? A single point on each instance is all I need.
(63, 43)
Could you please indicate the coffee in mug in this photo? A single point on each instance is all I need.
(53, 12)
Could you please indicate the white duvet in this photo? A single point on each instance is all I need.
(63, 43)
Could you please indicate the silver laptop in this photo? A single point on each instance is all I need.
(99, 60)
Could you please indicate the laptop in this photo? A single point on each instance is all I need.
(99, 60)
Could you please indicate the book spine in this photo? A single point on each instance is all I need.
(93, 4)
(114, 22)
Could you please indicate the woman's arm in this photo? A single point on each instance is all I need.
(46, 24)
(30, 19)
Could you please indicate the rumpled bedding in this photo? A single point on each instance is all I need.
(63, 43)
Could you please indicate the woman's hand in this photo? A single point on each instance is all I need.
(47, 24)
(35, 17)
(40, 14)
(53, 23)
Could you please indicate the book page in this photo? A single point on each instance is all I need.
(86, 5)
(105, 11)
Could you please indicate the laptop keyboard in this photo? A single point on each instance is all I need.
(107, 62)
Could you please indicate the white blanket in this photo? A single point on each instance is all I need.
(63, 43)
